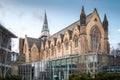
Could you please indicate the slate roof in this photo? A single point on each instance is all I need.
(70, 27)
(62, 36)
(31, 41)
(70, 33)
(55, 39)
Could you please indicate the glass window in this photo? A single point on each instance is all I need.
(95, 38)
(76, 42)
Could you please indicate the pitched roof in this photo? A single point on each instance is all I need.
(62, 36)
(70, 27)
(9, 32)
(55, 39)
(31, 41)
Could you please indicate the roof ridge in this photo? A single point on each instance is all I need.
(64, 28)
(68, 26)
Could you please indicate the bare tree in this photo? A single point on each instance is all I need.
(81, 65)
(116, 55)
(89, 63)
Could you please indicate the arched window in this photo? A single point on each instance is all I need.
(67, 45)
(34, 49)
(59, 47)
(95, 38)
(75, 41)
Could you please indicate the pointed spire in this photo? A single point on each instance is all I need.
(45, 29)
(82, 17)
(95, 10)
(45, 18)
(82, 12)
(105, 18)
(105, 23)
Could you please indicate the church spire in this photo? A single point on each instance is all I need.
(82, 17)
(45, 18)
(45, 30)
(105, 23)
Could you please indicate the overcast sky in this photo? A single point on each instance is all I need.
(26, 16)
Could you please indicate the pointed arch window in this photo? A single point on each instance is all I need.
(75, 41)
(67, 45)
(59, 47)
(95, 38)
(34, 49)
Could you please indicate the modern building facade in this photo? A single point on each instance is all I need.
(79, 47)
(5, 50)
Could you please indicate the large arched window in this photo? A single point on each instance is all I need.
(95, 38)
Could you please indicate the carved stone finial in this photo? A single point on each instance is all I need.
(82, 17)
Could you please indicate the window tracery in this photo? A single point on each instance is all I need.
(95, 38)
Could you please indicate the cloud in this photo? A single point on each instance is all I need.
(1, 6)
(38, 15)
(118, 30)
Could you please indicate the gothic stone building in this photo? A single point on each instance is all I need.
(86, 36)
(81, 37)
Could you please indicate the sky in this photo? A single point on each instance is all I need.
(25, 17)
